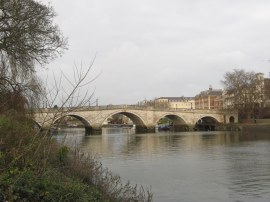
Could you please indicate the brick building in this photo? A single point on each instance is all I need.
(209, 99)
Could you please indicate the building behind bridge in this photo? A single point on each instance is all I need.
(216, 98)
(209, 99)
(175, 102)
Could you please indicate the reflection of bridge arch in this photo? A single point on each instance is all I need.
(179, 124)
(135, 118)
(87, 125)
(207, 123)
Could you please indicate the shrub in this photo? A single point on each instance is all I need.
(52, 185)
(34, 168)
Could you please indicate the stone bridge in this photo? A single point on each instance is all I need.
(145, 118)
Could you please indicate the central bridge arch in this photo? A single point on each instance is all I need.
(135, 118)
(178, 123)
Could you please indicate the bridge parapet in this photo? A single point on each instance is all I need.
(130, 107)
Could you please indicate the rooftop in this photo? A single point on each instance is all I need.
(176, 98)
(210, 91)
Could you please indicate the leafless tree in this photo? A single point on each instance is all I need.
(28, 37)
(243, 91)
(27, 33)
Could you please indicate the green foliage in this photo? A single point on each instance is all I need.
(26, 185)
(2, 158)
(17, 142)
(63, 153)
(13, 124)
(34, 168)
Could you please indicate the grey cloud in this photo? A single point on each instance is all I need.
(157, 48)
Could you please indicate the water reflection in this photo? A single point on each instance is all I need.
(248, 170)
(186, 166)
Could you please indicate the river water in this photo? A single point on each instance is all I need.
(184, 166)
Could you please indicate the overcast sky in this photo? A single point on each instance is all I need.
(154, 48)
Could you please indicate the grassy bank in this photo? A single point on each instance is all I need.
(33, 167)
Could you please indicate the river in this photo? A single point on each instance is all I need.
(184, 166)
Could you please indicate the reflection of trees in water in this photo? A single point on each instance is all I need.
(251, 136)
(248, 170)
(220, 138)
(145, 143)
(155, 143)
(151, 143)
(109, 144)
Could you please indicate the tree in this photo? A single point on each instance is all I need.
(28, 37)
(27, 33)
(243, 91)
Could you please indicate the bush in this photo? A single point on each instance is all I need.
(26, 185)
(33, 167)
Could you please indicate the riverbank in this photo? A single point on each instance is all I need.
(247, 126)
(255, 128)
(34, 167)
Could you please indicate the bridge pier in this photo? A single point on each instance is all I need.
(93, 131)
(144, 129)
(181, 128)
(191, 127)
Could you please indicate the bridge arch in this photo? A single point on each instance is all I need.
(87, 125)
(134, 117)
(178, 123)
(206, 123)
(36, 124)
